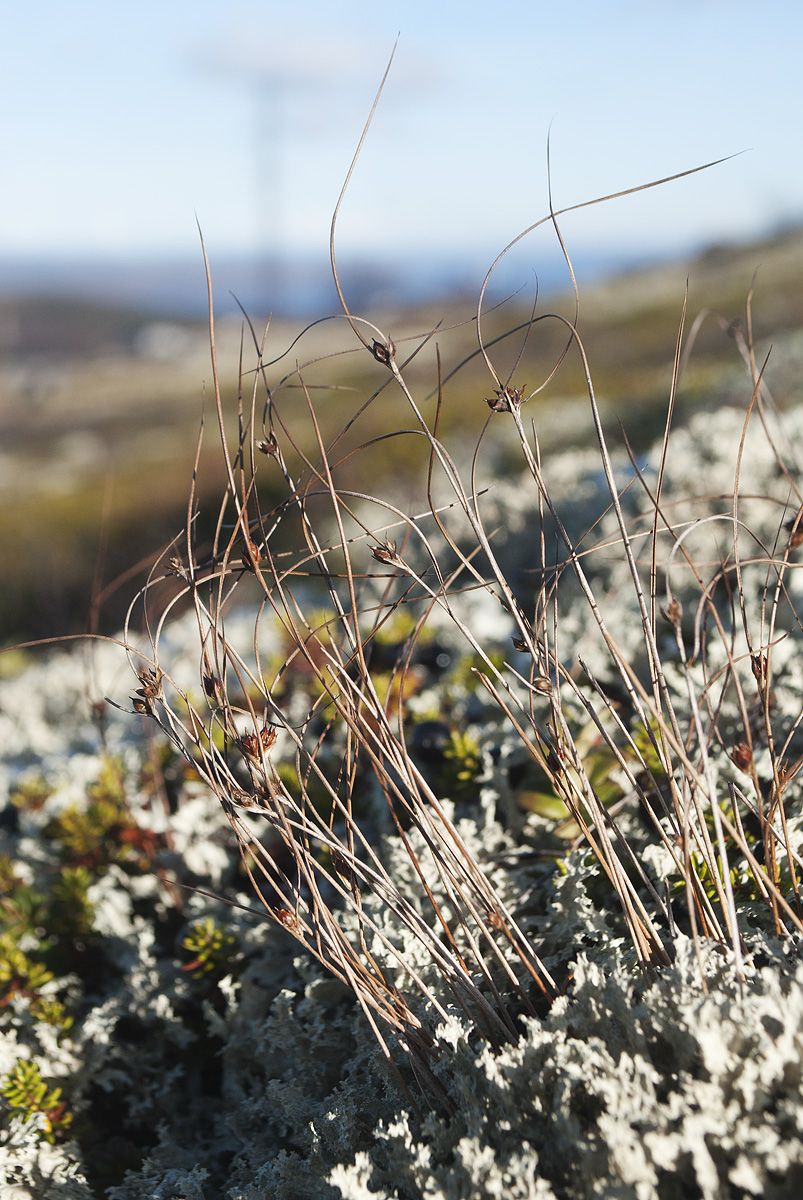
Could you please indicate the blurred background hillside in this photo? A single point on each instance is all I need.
(125, 126)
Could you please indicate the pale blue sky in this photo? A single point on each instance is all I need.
(120, 122)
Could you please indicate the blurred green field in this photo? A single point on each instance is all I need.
(100, 410)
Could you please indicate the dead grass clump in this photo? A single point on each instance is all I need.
(685, 616)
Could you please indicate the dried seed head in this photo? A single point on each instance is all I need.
(386, 552)
(243, 799)
(151, 690)
(553, 761)
(507, 399)
(268, 736)
(151, 681)
(249, 745)
(384, 352)
(340, 865)
(758, 662)
(742, 756)
(255, 747)
(213, 688)
(176, 567)
(269, 446)
(542, 683)
(674, 613)
(252, 555)
(286, 918)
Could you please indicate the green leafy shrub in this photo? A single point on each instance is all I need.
(102, 831)
(212, 950)
(27, 1095)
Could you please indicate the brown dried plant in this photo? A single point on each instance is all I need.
(310, 695)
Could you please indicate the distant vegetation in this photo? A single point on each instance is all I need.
(98, 405)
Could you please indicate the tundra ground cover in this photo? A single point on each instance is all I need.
(448, 844)
(199, 1054)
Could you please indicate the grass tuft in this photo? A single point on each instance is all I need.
(628, 661)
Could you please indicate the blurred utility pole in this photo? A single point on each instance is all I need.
(270, 102)
(295, 81)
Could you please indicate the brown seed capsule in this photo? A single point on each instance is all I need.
(674, 613)
(252, 555)
(507, 399)
(176, 567)
(249, 745)
(742, 756)
(385, 552)
(151, 684)
(243, 799)
(384, 352)
(553, 761)
(758, 662)
(286, 918)
(269, 445)
(254, 747)
(268, 736)
(340, 865)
